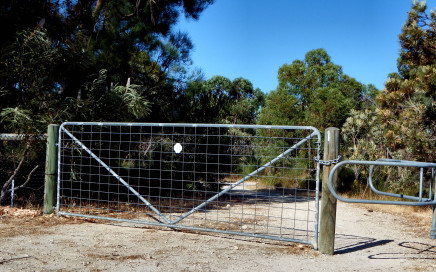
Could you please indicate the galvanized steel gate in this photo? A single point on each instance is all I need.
(257, 181)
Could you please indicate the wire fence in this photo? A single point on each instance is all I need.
(257, 181)
(12, 151)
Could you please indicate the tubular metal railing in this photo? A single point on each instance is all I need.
(412, 200)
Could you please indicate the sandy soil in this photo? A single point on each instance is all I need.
(367, 239)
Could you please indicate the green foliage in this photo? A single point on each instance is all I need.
(16, 119)
(362, 140)
(402, 124)
(83, 48)
(280, 109)
(133, 101)
(26, 93)
(407, 106)
(314, 92)
(70, 60)
(220, 100)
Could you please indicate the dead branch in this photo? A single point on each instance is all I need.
(27, 180)
(14, 174)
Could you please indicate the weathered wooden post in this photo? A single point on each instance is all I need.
(328, 201)
(50, 169)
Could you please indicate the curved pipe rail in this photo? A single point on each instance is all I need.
(421, 181)
(387, 162)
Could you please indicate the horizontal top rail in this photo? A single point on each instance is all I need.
(20, 137)
(390, 162)
(200, 125)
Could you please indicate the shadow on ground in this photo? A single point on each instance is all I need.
(411, 251)
(352, 243)
(346, 244)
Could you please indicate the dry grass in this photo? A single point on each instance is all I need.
(18, 222)
(419, 216)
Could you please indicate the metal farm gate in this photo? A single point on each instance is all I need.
(258, 181)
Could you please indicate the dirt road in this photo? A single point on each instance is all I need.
(366, 240)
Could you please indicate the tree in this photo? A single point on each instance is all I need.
(126, 40)
(363, 139)
(402, 124)
(407, 105)
(135, 39)
(280, 109)
(314, 92)
(96, 60)
(220, 100)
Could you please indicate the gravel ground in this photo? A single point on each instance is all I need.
(367, 239)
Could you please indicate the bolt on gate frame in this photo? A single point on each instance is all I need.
(249, 180)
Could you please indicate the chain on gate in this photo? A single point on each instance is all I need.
(327, 163)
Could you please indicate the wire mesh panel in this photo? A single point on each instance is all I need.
(258, 181)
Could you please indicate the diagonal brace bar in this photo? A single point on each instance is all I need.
(120, 179)
(255, 172)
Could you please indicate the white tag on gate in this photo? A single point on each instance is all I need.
(178, 148)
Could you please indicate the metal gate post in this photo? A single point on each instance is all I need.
(328, 201)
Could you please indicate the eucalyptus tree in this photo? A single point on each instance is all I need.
(314, 92)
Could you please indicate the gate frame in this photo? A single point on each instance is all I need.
(172, 224)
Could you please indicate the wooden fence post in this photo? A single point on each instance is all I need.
(328, 201)
(50, 169)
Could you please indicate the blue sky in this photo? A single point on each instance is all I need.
(253, 38)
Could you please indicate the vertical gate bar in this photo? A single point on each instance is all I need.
(115, 175)
(318, 168)
(58, 186)
(433, 223)
(433, 182)
(194, 173)
(170, 208)
(13, 192)
(161, 143)
(421, 180)
(430, 191)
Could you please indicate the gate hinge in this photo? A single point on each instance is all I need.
(330, 162)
